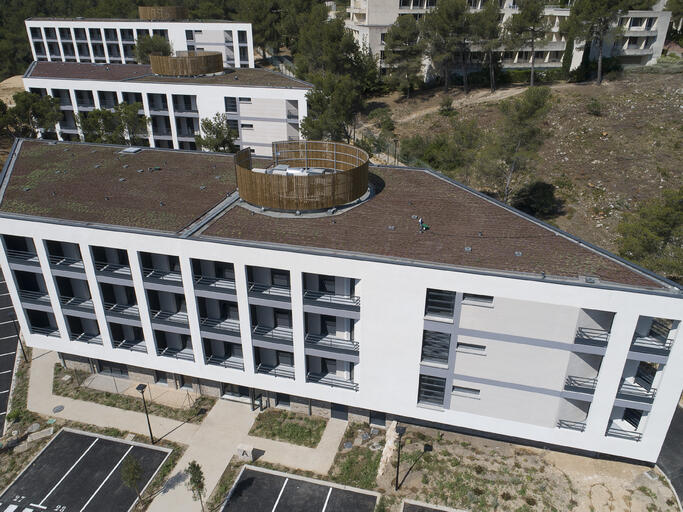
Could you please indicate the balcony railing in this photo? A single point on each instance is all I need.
(63, 261)
(170, 276)
(624, 434)
(184, 353)
(23, 257)
(636, 391)
(286, 372)
(223, 283)
(330, 380)
(331, 298)
(31, 296)
(178, 317)
(45, 331)
(651, 344)
(293, 116)
(112, 268)
(94, 339)
(582, 384)
(269, 289)
(76, 302)
(122, 309)
(319, 340)
(134, 345)
(226, 362)
(579, 426)
(276, 334)
(591, 336)
(224, 324)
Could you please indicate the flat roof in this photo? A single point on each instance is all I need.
(233, 77)
(138, 20)
(467, 230)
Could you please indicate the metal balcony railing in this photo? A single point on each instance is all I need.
(32, 296)
(224, 324)
(276, 371)
(624, 434)
(636, 391)
(579, 426)
(223, 283)
(76, 302)
(277, 334)
(94, 339)
(319, 340)
(122, 309)
(169, 276)
(591, 336)
(651, 343)
(582, 384)
(23, 256)
(63, 261)
(112, 268)
(45, 331)
(293, 116)
(331, 298)
(184, 354)
(330, 380)
(269, 289)
(226, 362)
(133, 345)
(178, 317)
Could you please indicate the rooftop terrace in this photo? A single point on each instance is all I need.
(466, 229)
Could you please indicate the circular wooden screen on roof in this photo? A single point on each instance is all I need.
(162, 12)
(187, 63)
(304, 176)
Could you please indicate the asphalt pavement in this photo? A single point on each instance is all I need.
(671, 457)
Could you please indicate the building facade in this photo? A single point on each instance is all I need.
(112, 41)
(351, 313)
(261, 105)
(640, 43)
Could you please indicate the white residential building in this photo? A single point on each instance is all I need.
(641, 42)
(112, 41)
(154, 268)
(262, 106)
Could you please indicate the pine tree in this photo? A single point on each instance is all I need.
(486, 27)
(528, 28)
(403, 54)
(217, 135)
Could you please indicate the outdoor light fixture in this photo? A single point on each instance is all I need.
(141, 388)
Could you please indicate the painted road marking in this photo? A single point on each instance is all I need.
(105, 480)
(67, 473)
(280, 495)
(327, 499)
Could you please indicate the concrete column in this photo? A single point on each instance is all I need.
(245, 317)
(87, 37)
(171, 120)
(47, 49)
(96, 295)
(52, 289)
(104, 45)
(192, 311)
(297, 297)
(143, 304)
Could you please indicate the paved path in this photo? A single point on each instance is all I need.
(211, 444)
(671, 457)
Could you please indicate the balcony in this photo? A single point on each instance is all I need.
(34, 297)
(658, 341)
(579, 426)
(45, 331)
(127, 310)
(327, 341)
(212, 283)
(630, 435)
(76, 303)
(93, 339)
(184, 354)
(269, 290)
(292, 116)
(235, 363)
(331, 380)
(169, 277)
(24, 257)
(280, 335)
(635, 392)
(286, 372)
(132, 345)
(580, 384)
(113, 269)
(591, 336)
(178, 317)
(314, 297)
(66, 262)
(221, 325)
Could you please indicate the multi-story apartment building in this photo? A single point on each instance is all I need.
(318, 287)
(640, 42)
(112, 41)
(262, 106)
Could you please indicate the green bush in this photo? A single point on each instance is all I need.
(594, 107)
(588, 70)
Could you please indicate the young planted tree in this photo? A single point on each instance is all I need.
(507, 157)
(264, 17)
(131, 474)
(528, 28)
(403, 54)
(448, 32)
(217, 135)
(146, 45)
(196, 482)
(132, 124)
(30, 114)
(486, 27)
(101, 126)
(593, 21)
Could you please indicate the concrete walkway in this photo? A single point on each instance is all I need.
(211, 444)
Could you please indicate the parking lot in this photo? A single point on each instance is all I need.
(8, 348)
(80, 471)
(259, 490)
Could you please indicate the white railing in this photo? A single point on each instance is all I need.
(276, 371)
(330, 380)
(331, 298)
(320, 340)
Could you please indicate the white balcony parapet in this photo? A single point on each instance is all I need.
(269, 289)
(226, 362)
(319, 340)
(331, 380)
(276, 371)
(133, 345)
(331, 298)
(277, 334)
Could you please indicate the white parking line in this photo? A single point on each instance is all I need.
(327, 499)
(3, 392)
(7, 322)
(7, 354)
(6, 307)
(105, 480)
(67, 473)
(8, 337)
(3, 413)
(280, 495)
(8, 371)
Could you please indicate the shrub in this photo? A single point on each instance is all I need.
(594, 107)
(446, 107)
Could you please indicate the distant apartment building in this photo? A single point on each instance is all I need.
(112, 41)
(307, 282)
(640, 42)
(261, 105)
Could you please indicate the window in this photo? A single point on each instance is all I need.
(247, 126)
(285, 358)
(435, 347)
(189, 35)
(632, 417)
(233, 125)
(245, 100)
(471, 348)
(431, 390)
(382, 36)
(473, 298)
(279, 277)
(242, 36)
(231, 105)
(467, 392)
(281, 400)
(283, 319)
(326, 284)
(440, 303)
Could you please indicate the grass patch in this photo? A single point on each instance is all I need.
(358, 466)
(289, 426)
(224, 484)
(71, 389)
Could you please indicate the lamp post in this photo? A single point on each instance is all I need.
(141, 388)
(400, 430)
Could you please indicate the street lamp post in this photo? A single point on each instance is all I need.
(141, 388)
(400, 430)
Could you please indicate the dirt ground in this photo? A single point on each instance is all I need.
(602, 165)
(9, 87)
(484, 475)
